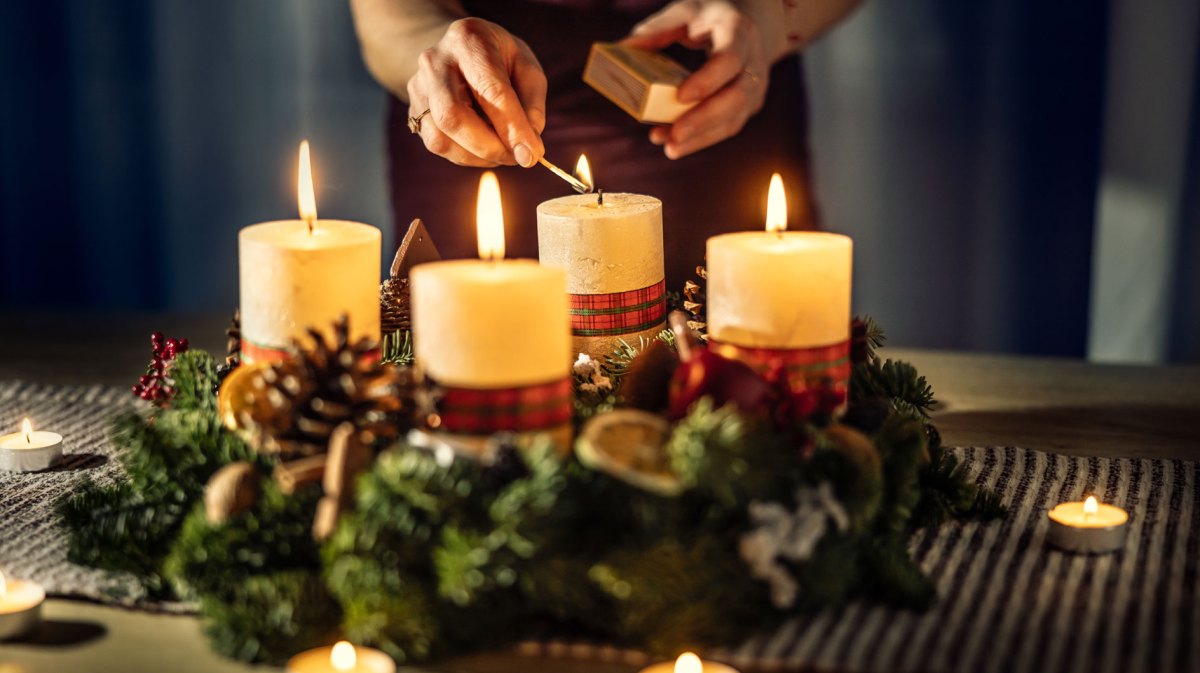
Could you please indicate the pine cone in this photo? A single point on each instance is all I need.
(394, 307)
(233, 350)
(693, 303)
(233, 341)
(298, 402)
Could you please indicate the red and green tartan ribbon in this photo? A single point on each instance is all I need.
(252, 352)
(618, 313)
(827, 365)
(518, 409)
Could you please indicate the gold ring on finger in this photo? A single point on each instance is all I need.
(414, 123)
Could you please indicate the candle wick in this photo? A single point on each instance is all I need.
(312, 224)
(600, 197)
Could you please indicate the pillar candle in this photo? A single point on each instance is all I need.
(297, 274)
(611, 248)
(494, 334)
(782, 296)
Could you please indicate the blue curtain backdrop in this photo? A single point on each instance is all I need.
(960, 143)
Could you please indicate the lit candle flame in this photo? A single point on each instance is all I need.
(583, 171)
(3, 586)
(688, 662)
(489, 218)
(304, 189)
(1090, 506)
(342, 656)
(776, 205)
(27, 430)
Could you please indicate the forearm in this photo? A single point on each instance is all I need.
(791, 25)
(393, 33)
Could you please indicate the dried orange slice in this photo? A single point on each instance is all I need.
(236, 394)
(630, 445)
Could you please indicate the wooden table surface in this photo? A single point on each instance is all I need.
(1066, 406)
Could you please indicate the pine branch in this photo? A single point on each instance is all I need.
(875, 336)
(398, 348)
(947, 493)
(896, 380)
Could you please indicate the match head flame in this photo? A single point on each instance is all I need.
(343, 657)
(776, 205)
(489, 218)
(304, 186)
(583, 171)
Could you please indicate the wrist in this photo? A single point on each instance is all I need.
(769, 17)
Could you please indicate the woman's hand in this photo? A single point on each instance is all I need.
(478, 64)
(743, 40)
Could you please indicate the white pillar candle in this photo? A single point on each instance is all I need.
(611, 248)
(20, 607)
(306, 273)
(30, 450)
(1089, 527)
(342, 657)
(781, 291)
(493, 325)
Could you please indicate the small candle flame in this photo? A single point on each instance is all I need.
(583, 171)
(1090, 506)
(489, 218)
(3, 586)
(304, 189)
(776, 205)
(27, 430)
(688, 662)
(342, 656)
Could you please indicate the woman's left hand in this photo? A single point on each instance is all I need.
(742, 39)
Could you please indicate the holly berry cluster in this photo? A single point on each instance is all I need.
(155, 386)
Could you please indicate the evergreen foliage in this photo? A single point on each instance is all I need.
(168, 455)
(444, 553)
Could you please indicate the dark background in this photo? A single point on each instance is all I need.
(1018, 176)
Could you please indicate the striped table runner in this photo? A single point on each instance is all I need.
(1008, 601)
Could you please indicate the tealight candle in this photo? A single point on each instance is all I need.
(20, 607)
(688, 662)
(342, 657)
(306, 273)
(1088, 527)
(611, 248)
(30, 451)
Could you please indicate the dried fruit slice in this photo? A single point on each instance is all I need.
(630, 445)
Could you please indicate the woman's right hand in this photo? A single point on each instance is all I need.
(479, 65)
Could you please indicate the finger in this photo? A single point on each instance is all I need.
(716, 119)
(670, 18)
(452, 111)
(482, 68)
(731, 47)
(654, 41)
(530, 82)
(437, 142)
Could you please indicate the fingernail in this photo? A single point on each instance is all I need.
(524, 155)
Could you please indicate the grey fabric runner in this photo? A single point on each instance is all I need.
(1008, 600)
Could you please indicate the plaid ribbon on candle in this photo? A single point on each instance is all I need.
(518, 409)
(826, 365)
(617, 313)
